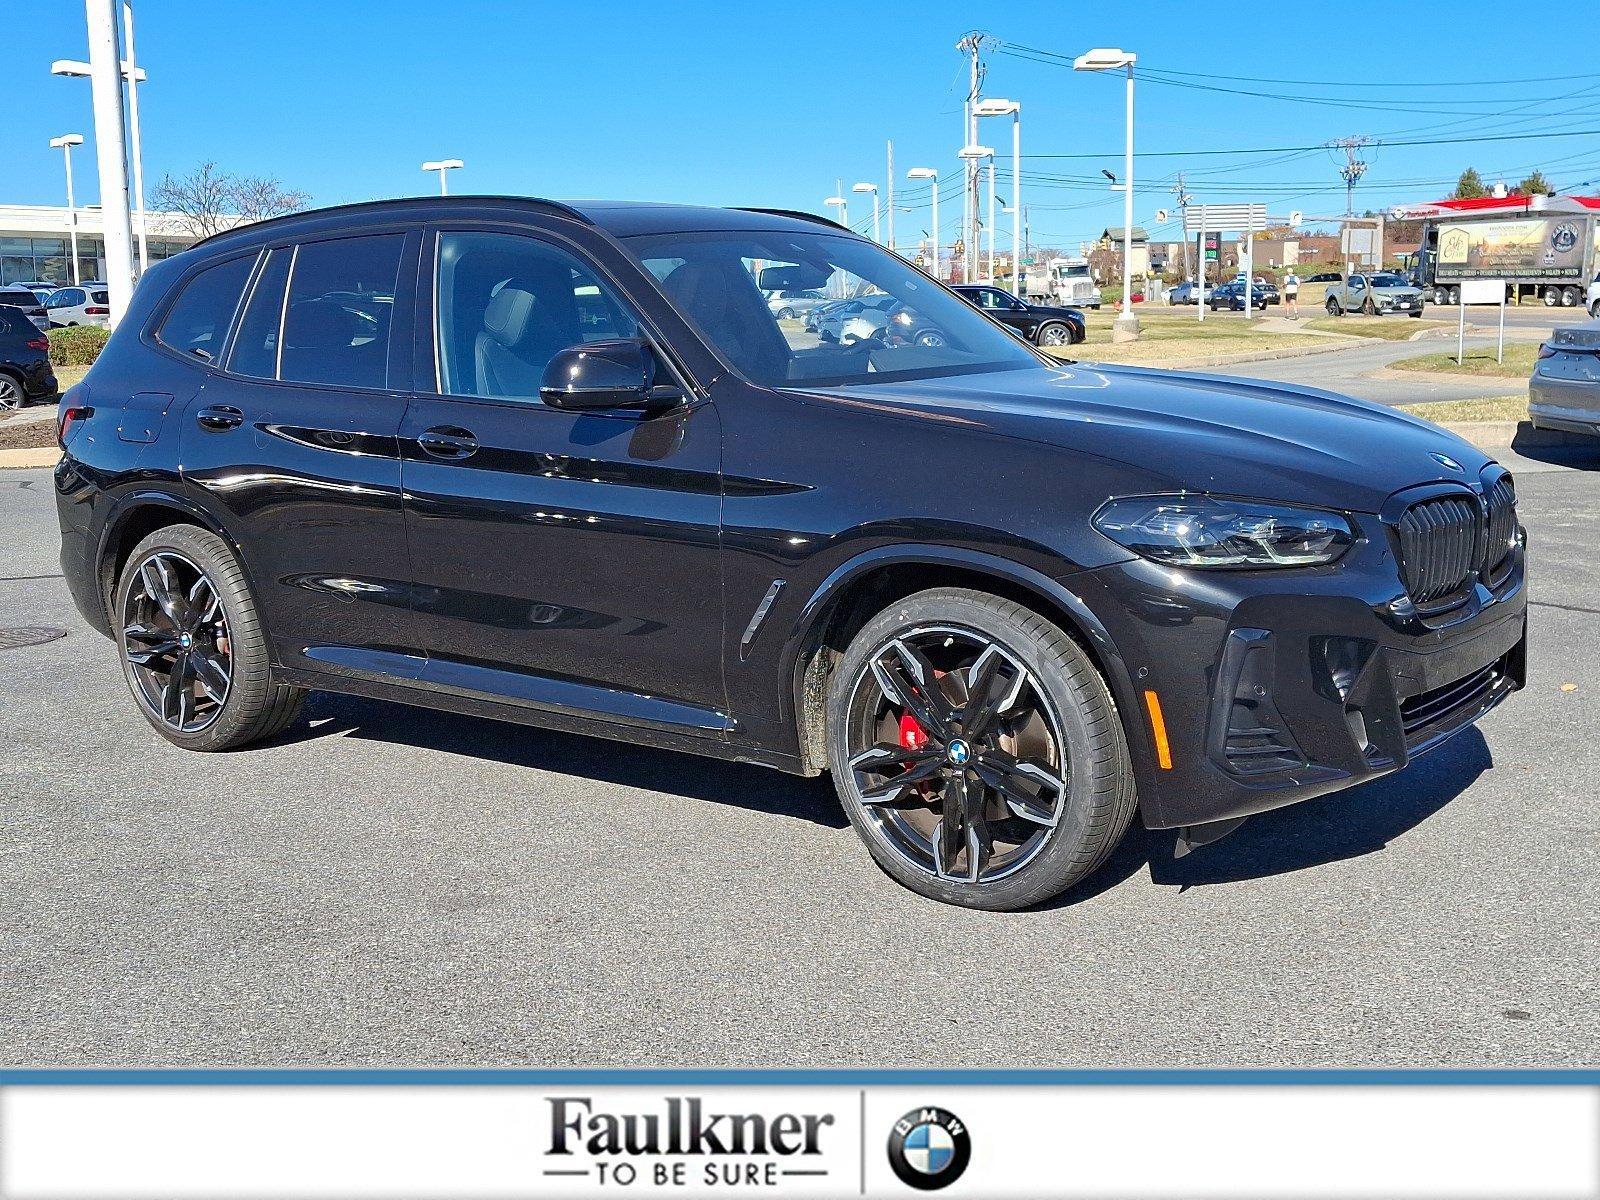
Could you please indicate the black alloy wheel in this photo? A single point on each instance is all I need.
(977, 751)
(192, 647)
(176, 643)
(1055, 333)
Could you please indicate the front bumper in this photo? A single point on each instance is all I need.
(1275, 687)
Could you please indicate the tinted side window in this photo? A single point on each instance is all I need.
(198, 321)
(255, 346)
(506, 304)
(340, 307)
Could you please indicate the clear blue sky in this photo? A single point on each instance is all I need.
(767, 104)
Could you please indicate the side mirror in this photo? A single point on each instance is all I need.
(609, 374)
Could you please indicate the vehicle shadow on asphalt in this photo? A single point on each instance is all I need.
(678, 774)
(1328, 829)
(1580, 457)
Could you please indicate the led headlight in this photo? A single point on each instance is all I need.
(1207, 531)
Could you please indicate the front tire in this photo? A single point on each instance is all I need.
(1054, 333)
(193, 650)
(977, 751)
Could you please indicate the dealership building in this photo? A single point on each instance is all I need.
(35, 241)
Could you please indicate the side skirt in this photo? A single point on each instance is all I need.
(422, 693)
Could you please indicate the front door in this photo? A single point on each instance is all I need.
(295, 440)
(562, 561)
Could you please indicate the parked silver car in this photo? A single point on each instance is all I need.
(793, 302)
(17, 296)
(1564, 392)
(871, 310)
(1381, 292)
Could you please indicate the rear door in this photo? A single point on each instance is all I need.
(295, 441)
(566, 561)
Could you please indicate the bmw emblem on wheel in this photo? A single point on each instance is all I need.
(929, 1148)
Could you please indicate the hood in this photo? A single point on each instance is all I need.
(1205, 433)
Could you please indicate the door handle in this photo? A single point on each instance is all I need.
(218, 417)
(448, 441)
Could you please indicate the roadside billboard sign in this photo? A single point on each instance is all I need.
(1520, 248)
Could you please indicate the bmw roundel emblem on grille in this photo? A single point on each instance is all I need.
(1444, 460)
(929, 1148)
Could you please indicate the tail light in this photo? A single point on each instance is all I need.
(1546, 350)
(38, 343)
(73, 411)
(97, 310)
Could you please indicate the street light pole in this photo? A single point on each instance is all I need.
(1126, 327)
(443, 166)
(1016, 202)
(990, 278)
(131, 66)
(65, 143)
(873, 188)
(972, 157)
(932, 177)
(1003, 108)
(110, 153)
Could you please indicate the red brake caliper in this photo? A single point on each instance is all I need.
(912, 735)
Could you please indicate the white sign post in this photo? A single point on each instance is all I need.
(1481, 291)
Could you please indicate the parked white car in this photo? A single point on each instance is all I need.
(1592, 301)
(86, 305)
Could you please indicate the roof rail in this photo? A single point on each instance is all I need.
(553, 206)
(796, 214)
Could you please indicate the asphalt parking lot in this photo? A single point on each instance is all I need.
(389, 886)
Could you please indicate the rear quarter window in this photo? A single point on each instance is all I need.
(197, 323)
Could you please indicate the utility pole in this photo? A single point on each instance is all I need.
(1183, 198)
(972, 45)
(1351, 169)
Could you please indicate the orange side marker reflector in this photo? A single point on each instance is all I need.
(1158, 726)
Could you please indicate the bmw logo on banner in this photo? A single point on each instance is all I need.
(929, 1148)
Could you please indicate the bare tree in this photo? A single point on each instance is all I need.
(209, 200)
(256, 199)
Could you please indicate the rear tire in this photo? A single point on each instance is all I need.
(12, 396)
(1333, 308)
(200, 573)
(1077, 748)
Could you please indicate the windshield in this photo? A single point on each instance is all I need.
(1388, 281)
(891, 322)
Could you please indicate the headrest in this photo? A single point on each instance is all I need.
(506, 318)
(319, 325)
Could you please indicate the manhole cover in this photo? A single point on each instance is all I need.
(17, 636)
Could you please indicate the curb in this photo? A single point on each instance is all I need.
(1498, 435)
(18, 459)
(1223, 360)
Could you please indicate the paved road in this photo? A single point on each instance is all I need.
(387, 886)
(1360, 371)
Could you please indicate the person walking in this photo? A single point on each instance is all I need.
(1291, 294)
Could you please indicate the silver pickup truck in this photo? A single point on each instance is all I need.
(1381, 292)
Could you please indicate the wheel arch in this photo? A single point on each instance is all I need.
(862, 587)
(134, 517)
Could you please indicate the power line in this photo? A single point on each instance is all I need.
(1499, 137)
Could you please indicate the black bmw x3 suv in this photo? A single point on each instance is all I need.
(560, 465)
